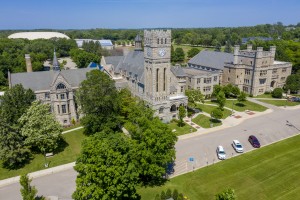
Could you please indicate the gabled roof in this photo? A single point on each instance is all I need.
(42, 80)
(212, 59)
(138, 38)
(178, 71)
(132, 63)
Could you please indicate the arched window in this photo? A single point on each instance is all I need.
(165, 40)
(60, 86)
(161, 110)
(164, 79)
(157, 70)
(157, 40)
(162, 41)
(173, 108)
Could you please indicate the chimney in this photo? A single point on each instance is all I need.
(249, 47)
(259, 52)
(273, 50)
(28, 63)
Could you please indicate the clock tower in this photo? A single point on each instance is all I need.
(157, 58)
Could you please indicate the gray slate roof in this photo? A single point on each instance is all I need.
(42, 80)
(138, 38)
(132, 63)
(178, 71)
(212, 59)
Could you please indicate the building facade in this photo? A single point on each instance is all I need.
(56, 88)
(256, 71)
(149, 75)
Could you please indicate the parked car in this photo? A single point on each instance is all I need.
(254, 141)
(237, 146)
(221, 153)
(295, 99)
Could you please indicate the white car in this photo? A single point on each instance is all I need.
(237, 146)
(221, 153)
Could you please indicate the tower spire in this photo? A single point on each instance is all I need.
(55, 63)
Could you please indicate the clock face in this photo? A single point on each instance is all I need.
(162, 52)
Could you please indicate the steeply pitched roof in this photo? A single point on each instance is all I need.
(212, 59)
(55, 63)
(132, 63)
(138, 38)
(43, 80)
(178, 71)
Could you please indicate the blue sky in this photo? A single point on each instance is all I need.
(75, 14)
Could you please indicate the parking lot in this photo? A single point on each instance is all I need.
(268, 129)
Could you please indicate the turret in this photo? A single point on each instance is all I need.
(28, 63)
(55, 63)
(249, 47)
(138, 43)
(236, 54)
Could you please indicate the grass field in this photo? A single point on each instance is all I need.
(181, 130)
(271, 172)
(69, 154)
(280, 102)
(205, 121)
(207, 108)
(247, 105)
(264, 96)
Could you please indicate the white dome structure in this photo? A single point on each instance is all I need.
(37, 35)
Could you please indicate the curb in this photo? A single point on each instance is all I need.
(37, 174)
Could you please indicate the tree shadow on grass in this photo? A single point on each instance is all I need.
(215, 120)
(62, 144)
(240, 104)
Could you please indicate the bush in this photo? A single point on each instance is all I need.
(277, 93)
(267, 92)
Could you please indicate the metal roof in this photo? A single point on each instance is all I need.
(212, 59)
(42, 80)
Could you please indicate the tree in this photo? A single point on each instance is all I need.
(99, 102)
(194, 96)
(179, 55)
(227, 89)
(105, 168)
(226, 195)
(163, 195)
(182, 114)
(175, 194)
(235, 91)
(168, 193)
(218, 47)
(14, 103)
(28, 192)
(154, 149)
(217, 113)
(13, 151)
(242, 97)
(83, 58)
(216, 90)
(221, 100)
(192, 52)
(228, 47)
(277, 93)
(40, 128)
(293, 83)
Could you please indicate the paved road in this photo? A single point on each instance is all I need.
(268, 128)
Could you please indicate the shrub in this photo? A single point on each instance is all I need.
(277, 93)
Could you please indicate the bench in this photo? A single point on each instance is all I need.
(49, 154)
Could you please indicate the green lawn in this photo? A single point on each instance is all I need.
(69, 154)
(186, 49)
(181, 130)
(208, 108)
(72, 127)
(247, 105)
(205, 121)
(271, 172)
(264, 96)
(280, 102)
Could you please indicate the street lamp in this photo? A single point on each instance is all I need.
(232, 108)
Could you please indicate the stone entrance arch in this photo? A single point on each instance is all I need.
(173, 108)
(273, 84)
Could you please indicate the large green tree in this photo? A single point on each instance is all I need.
(228, 194)
(13, 151)
(192, 52)
(83, 58)
(194, 96)
(181, 115)
(221, 100)
(293, 83)
(105, 168)
(99, 102)
(40, 128)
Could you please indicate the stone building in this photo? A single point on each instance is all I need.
(206, 70)
(256, 71)
(149, 75)
(54, 87)
(253, 71)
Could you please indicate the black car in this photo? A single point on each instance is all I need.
(254, 141)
